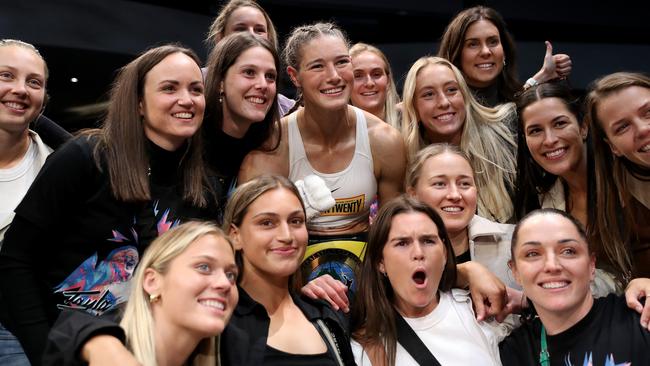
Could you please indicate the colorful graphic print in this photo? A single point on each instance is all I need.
(97, 288)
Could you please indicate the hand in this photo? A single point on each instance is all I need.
(637, 289)
(107, 350)
(325, 287)
(554, 67)
(488, 292)
(515, 304)
(316, 196)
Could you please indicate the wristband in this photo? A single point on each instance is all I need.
(530, 83)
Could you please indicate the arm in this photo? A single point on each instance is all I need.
(25, 260)
(389, 156)
(488, 292)
(554, 67)
(78, 337)
(637, 289)
(21, 288)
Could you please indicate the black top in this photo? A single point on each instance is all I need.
(610, 334)
(489, 96)
(51, 133)
(243, 342)
(463, 257)
(275, 357)
(73, 245)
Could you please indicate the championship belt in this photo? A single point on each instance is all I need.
(339, 257)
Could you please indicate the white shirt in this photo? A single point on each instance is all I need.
(452, 335)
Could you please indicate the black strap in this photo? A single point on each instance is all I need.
(412, 343)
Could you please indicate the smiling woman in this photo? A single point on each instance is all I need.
(355, 153)
(618, 110)
(554, 264)
(374, 88)
(439, 107)
(100, 199)
(23, 82)
(478, 42)
(183, 295)
(266, 219)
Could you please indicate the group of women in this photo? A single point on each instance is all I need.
(108, 226)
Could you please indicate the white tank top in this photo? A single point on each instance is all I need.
(353, 188)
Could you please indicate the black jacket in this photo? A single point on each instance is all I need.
(243, 342)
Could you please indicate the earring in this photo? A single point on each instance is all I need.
(384, 273)
(504, 61)
(154, 298)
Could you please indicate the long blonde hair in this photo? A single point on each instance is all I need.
(486, 138)
(137, 322)
(391, 114)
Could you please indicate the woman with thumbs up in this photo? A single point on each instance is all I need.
(477, 41)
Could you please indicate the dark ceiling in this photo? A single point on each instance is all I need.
(89, 39)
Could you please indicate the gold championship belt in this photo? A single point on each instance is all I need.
(340, 258)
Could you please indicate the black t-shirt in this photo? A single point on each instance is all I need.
(609, 335)
(73, 245)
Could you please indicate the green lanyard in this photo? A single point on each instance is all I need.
(543, 353)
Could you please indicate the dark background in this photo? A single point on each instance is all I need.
(89, 39)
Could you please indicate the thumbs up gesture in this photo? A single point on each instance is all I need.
(554, 67)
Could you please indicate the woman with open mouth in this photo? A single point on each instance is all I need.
(103, 197)
(406, 311)
(618, 111)
(477, 41)
(182, 296)
(553, 262)
(374, 86)
(439, 107)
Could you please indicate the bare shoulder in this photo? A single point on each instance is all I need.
(260, 162)
(384, 138)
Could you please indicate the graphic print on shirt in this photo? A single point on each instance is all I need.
(99, 287)
(588, 361)
(347, 206)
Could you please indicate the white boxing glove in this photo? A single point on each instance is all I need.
(315, 195)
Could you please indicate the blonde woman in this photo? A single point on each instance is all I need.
(374, 89)
(183, 294)
(439, 107)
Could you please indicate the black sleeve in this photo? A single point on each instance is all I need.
(22, 291)
(72, 330)
(519, 348)
(23, 258)
(50, 132)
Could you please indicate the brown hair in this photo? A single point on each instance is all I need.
(244, 196)
(218, 27)
(299, 37)
(453, 41)
(373, 315)
(224, 55)
(122, 141)
(613, 222)
(546, 211)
